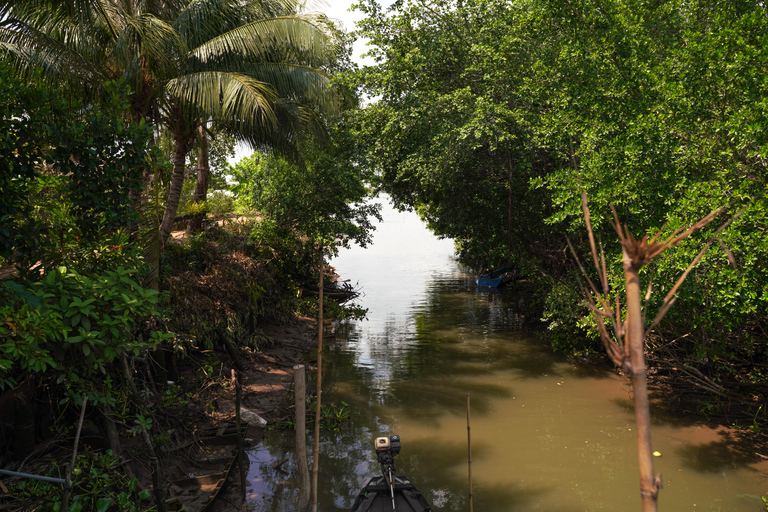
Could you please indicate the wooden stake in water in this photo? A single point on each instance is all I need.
(469, 456)
(238, 427)
(316, 461)
(300, 388)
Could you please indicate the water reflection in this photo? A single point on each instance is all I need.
(548, 435)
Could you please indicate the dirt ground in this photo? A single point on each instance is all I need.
(267, 375)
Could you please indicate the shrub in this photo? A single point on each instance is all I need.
(70, 327)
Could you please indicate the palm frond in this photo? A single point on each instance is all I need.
(290, 81)
(218, 94)
(163, 9)
(293, 121)
(261, 9)
(287, 39)
(61, 65)
(78, 11)
(147, 45)
(203, 20)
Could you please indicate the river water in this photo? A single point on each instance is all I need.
(547, 434)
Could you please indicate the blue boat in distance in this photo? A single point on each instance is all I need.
(496, 278)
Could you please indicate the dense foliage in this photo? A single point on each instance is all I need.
(75, 318)
(67, 172)
(69, 327)
(320, 198)
(493, 116)
(253, 69)
(70, 172)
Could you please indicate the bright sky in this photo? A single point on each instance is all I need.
(339, 10)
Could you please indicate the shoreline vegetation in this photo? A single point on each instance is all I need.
(225, 322)
(492, 120)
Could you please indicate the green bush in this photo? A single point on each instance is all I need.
(569, 322)
(69, 327)
(220, 202)
(68, 172)
(99, 485)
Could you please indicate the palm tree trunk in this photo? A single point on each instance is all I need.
(180, 150)
(203, 174)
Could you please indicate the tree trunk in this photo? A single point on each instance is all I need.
(509, 217)
(180, 150)
(649, 487)
(203, 174)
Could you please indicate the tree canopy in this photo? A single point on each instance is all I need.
(254, 69)
(493, 116)
(321, 198)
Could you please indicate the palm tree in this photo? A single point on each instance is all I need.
(251, 68)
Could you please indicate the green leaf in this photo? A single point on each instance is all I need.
(103, 504)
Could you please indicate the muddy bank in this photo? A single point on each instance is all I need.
(171, 406)
(266, 378)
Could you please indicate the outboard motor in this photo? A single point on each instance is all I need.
(386, 450)
(390, 491)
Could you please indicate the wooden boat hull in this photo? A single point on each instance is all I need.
(196, 481)
(376, 497)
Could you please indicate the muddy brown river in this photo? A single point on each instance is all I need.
(547, 435)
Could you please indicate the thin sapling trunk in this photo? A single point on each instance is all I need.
(625, 340)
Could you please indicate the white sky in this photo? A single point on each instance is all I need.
(339, 10)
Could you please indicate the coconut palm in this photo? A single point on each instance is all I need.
(251, 68)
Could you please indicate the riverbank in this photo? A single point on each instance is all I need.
(247, 313)
(462, 341)
(163, 418)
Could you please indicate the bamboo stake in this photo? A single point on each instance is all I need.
(68, 474)
(469, 457)
(300, 388)
(318, 410)
(238, 426)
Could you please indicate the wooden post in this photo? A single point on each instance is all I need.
(318, 410)
(300, 388)
(469, 457)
